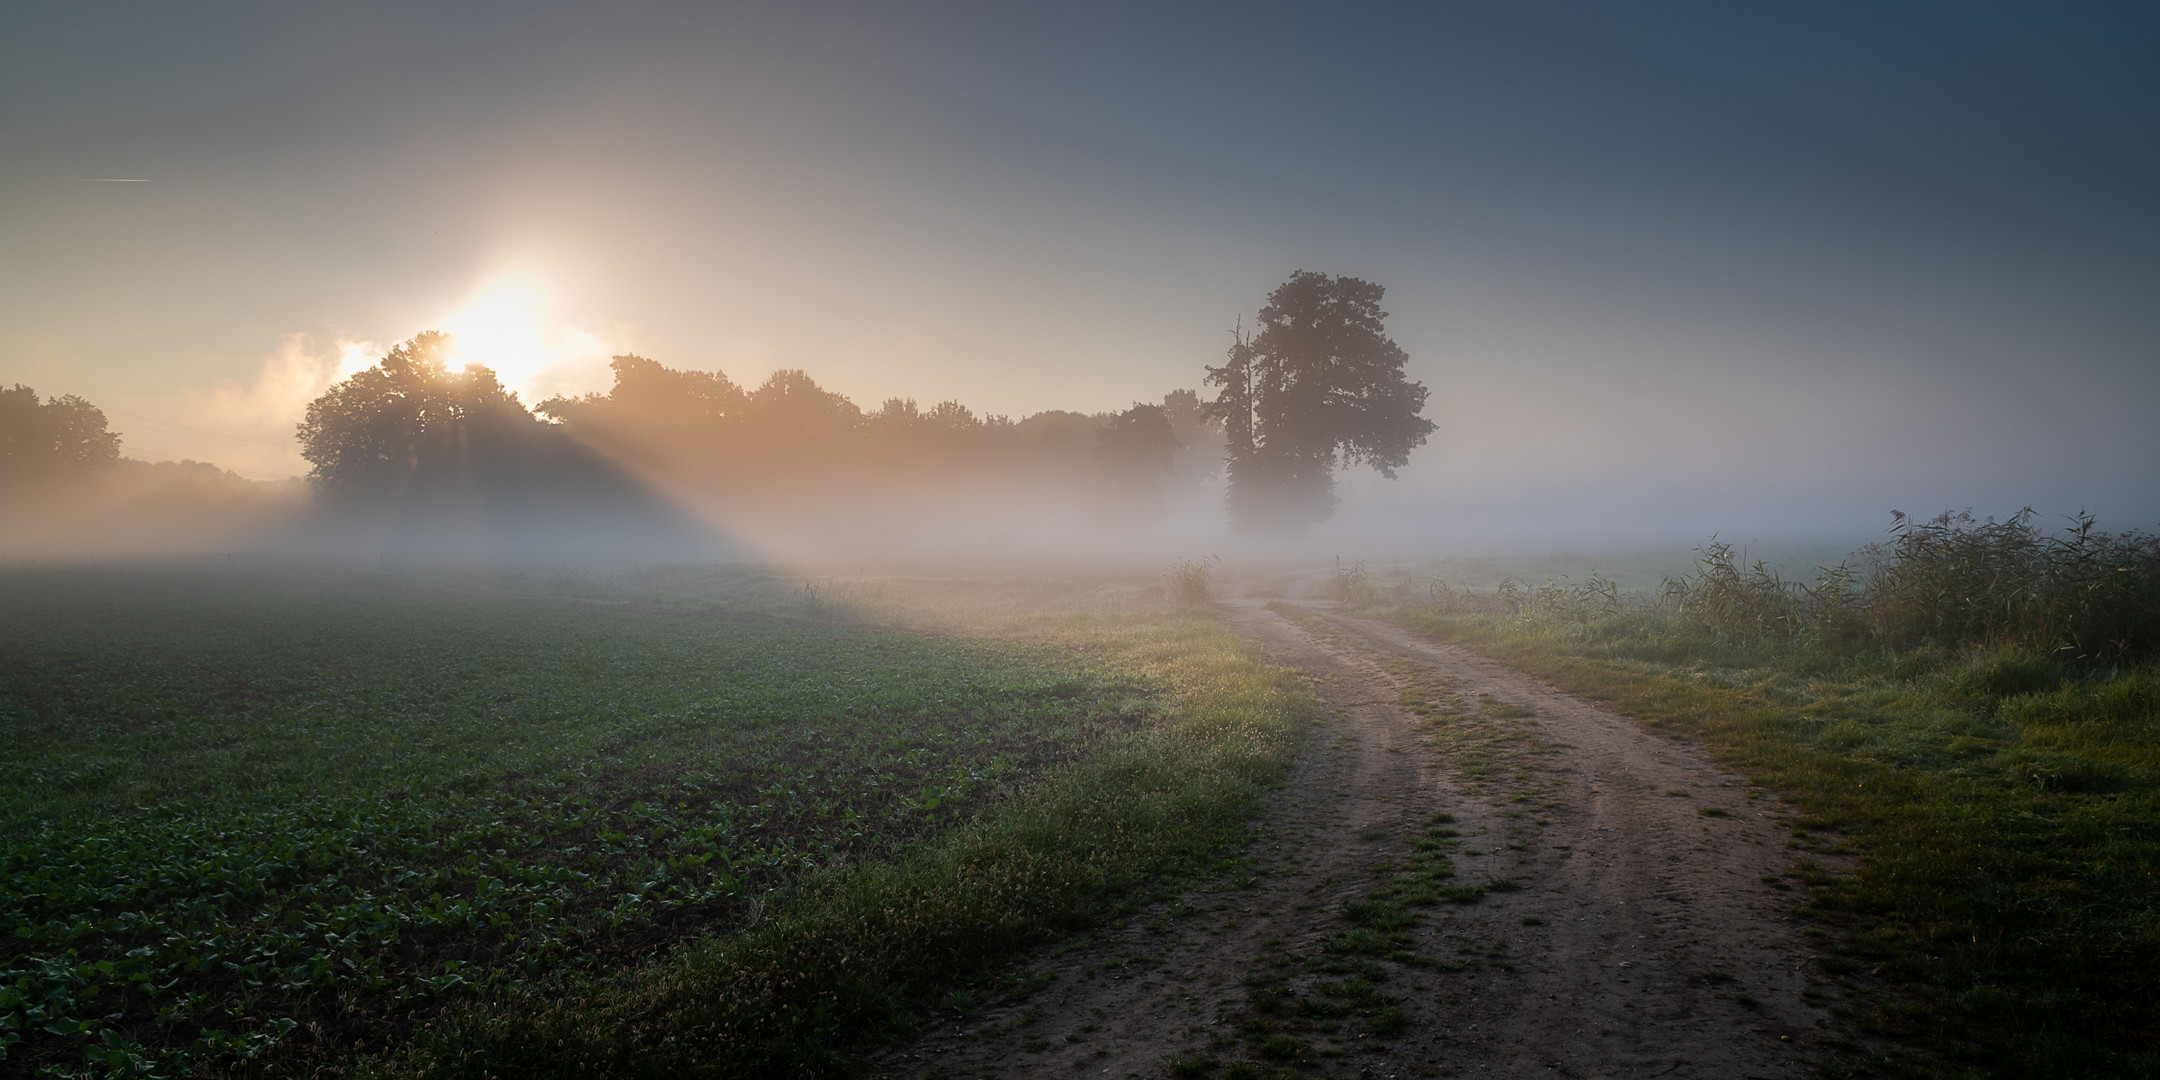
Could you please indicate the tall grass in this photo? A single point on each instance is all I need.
(1949, 583)
(2080, 594)
(1191, 582)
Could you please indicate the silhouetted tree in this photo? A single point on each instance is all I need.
(791, 399)
(897, 416)
(1136, 442)
(793, 450)
(656, 413)
(1132, 453)
(790, 421)
(447, 464)
(61, 441)
(1320, 386)
(372, 431)
(1200, 433)
(658, 397)
(952, 416)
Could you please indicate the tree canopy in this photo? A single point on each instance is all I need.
(451, 465)
(1319, 386)
(700, 431)
(372, 431)
(60, 440)
(1133, 452)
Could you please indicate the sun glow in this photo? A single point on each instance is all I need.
(501, 329)
(510, 327)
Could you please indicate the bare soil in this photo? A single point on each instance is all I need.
(1620, 906)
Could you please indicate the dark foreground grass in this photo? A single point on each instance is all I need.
(848, 956)
(255, 825)
(2006, 803)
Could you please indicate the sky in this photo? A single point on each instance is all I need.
(1667, 268)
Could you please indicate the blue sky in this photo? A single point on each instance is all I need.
(1771, 267)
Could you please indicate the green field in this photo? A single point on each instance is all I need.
(257, 823)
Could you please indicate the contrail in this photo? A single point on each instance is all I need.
(113, 180)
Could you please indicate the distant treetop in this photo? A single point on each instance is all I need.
(61, 440)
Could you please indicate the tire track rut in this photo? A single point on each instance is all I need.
(1610, 911)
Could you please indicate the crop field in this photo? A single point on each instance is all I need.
(254, 823)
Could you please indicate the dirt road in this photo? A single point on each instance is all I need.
(1471, 874)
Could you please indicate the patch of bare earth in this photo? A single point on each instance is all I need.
(1471, 874)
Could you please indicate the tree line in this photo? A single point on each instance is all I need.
(58, 442)
(1315, 387)
(63, 446)
(704, 427)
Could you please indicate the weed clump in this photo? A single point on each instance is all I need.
(1191, 582)
(1352, 586)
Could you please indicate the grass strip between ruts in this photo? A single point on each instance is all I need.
(840, 959)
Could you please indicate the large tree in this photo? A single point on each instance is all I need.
(372, 431)
(435, 463)
(1319, 386)
(59, 441)
(1133, 452)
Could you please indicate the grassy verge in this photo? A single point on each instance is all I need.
(846, 956)
(2006, 804)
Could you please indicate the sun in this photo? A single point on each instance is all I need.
(512, 325)
(502, 328)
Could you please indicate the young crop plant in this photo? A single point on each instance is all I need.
(857, 952)
(256, 824)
